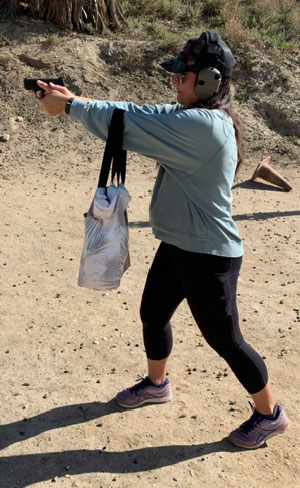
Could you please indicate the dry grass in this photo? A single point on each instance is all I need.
(236, 34)
(271, 24)
(164, 9)
(3, 40)
(54, 41)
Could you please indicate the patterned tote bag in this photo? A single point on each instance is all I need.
(105, 253)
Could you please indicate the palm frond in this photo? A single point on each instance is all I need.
(72, 14)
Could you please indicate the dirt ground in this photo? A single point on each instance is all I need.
(65, 351)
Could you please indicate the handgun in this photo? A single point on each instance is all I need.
(31, 83)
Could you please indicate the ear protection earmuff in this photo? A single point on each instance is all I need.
(207, 83)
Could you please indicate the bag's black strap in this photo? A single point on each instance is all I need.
(113, 152)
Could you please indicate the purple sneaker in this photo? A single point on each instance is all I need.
(258, 429)
(144, 392)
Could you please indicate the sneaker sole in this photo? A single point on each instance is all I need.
(239, 443)
(146, 400)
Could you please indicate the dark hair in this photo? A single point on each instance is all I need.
(223, 101)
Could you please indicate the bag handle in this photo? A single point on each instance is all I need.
(113, 152)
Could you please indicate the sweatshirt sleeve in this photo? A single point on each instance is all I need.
(178, 139)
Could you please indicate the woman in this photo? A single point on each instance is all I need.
(197, 145)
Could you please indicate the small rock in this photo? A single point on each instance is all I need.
(5, 137)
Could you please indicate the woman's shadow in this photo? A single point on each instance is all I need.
(26, 470)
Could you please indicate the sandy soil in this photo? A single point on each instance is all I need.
(65, 351)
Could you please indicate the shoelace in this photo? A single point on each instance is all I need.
(254, 420)
(251, 423)
(142, 384)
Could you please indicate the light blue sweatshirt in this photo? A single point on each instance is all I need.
(197, 154)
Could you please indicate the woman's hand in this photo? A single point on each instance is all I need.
(54, 99)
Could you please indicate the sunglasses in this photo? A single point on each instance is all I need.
(180, 77)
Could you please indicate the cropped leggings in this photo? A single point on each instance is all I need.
(209, 284)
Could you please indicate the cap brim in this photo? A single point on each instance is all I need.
(175, 66)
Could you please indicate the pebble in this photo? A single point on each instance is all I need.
(5, 137)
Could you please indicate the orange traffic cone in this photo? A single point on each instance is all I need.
(265, 171)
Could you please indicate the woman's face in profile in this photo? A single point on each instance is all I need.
(185, 88)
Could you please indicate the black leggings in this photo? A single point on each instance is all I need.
(209, 285)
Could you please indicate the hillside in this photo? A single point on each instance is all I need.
(267, 93)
